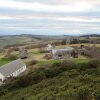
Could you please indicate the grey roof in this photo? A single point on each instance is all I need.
(62, 50)
(9, 68)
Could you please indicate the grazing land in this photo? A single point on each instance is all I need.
(51, 79)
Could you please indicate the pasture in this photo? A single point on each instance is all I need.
(35, 54)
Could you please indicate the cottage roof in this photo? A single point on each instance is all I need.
(9, 68)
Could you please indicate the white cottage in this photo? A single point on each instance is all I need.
(12, 69)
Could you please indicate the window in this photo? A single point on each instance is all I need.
(59, 55)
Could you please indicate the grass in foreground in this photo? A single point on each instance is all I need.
(58, 82)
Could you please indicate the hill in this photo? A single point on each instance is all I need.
(91, 35)
(16, 40)
(26, 39)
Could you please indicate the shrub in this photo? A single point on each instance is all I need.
(85, 78)
(84, 93)
(3, 91)
(10, 57)
(47, 56)
(59, 67)
(28, 80)
(42, 50)
(94, 63)
(82, 66)
(52, 72)
(32, 62)
(97, 95)
(23, 82)
(74, 41)
(67, 65)
(63, 42)
(89, 65)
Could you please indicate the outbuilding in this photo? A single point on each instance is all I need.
(62, 53)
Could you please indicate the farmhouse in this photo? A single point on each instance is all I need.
(62, 53)
(12, 69)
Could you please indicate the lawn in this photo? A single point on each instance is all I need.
(3, 62)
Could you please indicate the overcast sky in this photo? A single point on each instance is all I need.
(49, 17)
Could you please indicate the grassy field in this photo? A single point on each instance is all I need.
(34, 53)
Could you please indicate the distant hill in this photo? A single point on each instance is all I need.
(27, 39)
(13, 40)
(47, 37)
(91, 35)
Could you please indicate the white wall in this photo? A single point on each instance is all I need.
(19, 71)
(2, 77)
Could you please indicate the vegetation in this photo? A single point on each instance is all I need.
(32, 62)
(2, 62)
(50, 79)
(57, 81)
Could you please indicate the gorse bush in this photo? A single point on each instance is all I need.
(56, 81)
(10, 57)
(84, 93)
(85, 78)
(32, 62)
(94, 63)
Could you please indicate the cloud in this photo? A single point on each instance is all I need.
(87, 19)
(49, 16)
(36, 6)
(57, 2)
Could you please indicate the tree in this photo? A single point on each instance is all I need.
(63, 42)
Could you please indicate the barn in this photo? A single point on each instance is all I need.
(62, 53)
(12, 69)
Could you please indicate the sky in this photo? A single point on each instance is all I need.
(49, 17)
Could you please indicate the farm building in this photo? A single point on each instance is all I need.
(82, 50)
(24, 54)
(12, 69)
(62, 53)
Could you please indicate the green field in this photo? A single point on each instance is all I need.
(34, 53)
(3, 62)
